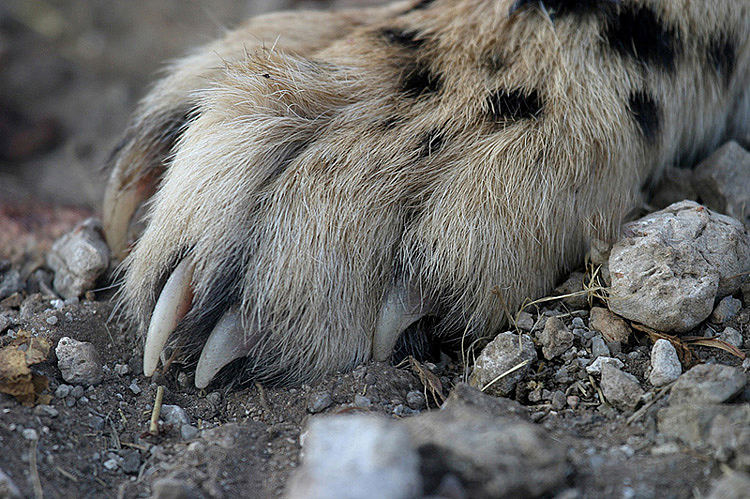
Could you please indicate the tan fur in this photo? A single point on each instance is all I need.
(287, 173)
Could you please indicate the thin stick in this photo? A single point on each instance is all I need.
(153, 427)
(37, 483)
(509, 371)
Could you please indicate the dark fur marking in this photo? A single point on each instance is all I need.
(406, 39)
(514, 105)
(637, 33)
(417, 79)
(431, 143)
(722, 55)
(391, 122)
(421, 5)
(645, 112)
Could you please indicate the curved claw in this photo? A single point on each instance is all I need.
(403, 305)
(226, 343)
(173, 303)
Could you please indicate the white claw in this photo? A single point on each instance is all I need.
(173, 303)
(403, 305)
(226, 343)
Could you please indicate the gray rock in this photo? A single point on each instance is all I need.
(665, 364)
(8, 489)
(726, 310)
(173, 488)
(174, 415)
(599, 348)
(613, 328)
(319, 402)
(47, 411)
(131, 461)
(556, 338)
(111, 464)
(599, 362)
(415, 400)
(356, 456)
(621, 389)
(10, 282)
(133, 387)
(188, 432)
(708, 383)
(558, 400)
(63, 391)
(122, 369)
(78, 259)
(694, 423)
(78, 362)
(732, 336)
(573, 285)
(676, 184)
(524, 321)
(732, 485)
(488, 448)
(362, 402)
(77, 392)
(723, 181)
(504, 353)
(30, 434)
(671, 265)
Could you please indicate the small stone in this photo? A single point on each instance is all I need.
(415, 400)
(726, 310)
(362, 402)
(111, 464)
(134, 388)
(723, 181)
(188, 432)
(319, 402)
(62, 391)
(524, 321)
(555, 338)
(708, 383)
(599, 348)
(57, 304)
(573, 401)
(354, 456)
(131, 461)
(573, 285)
(174, 415)
(78, 362)
(578, 323)
(665, 364)
(214, 398)
(496, 369)
(596, 366)
(670, 266)
(621, 389)
(77, 391)
(732, 336)
(10, 283)
(122, 369)
(51, 320)
(612, 327)
(46, 411)
(96, 423)
(30, 434)
(173, 488)
(558, 400)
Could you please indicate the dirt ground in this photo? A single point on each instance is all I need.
(71, 72)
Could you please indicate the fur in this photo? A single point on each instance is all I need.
(309, 161)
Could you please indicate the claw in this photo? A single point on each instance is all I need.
(173, 303)
(226, 343)
(402, 307)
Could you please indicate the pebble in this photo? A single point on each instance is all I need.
(10, 283)
(131, 461)
(578, 323)
(599, 348)
(111, 464)
(596, 366)
(30, 434)
(188, 432)
(122, 369)
(214, 398)
(505, 352)
(46, 411)
(135, 388)
(612, 327)
(573, 401)
(362, 402)
(726, 310)
(558, 400)
(732, 336)
(78, 362)
(665, 364)
(525, 321)
(672, 264)
(319, 402)
(621, 389)
(78, 259)
(173, 488)
(723, 181)
(415, 400)
(708, 383)
(556, 338)
(62, 391)
(51, 320)
(174, 415)
(354, 456)
(77, 391)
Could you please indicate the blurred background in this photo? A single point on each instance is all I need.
(71, 72)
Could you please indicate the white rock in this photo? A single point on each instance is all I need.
(78, 362)
(723, 181)
(621, 389)
(78, 259)
(504, 353)
(30, 434)
(726, 309)
(665, 365)
(174, 415)
(596, 366)
(671, 265)
(356, 456)
(732, 336)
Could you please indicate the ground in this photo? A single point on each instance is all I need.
(72, 72)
